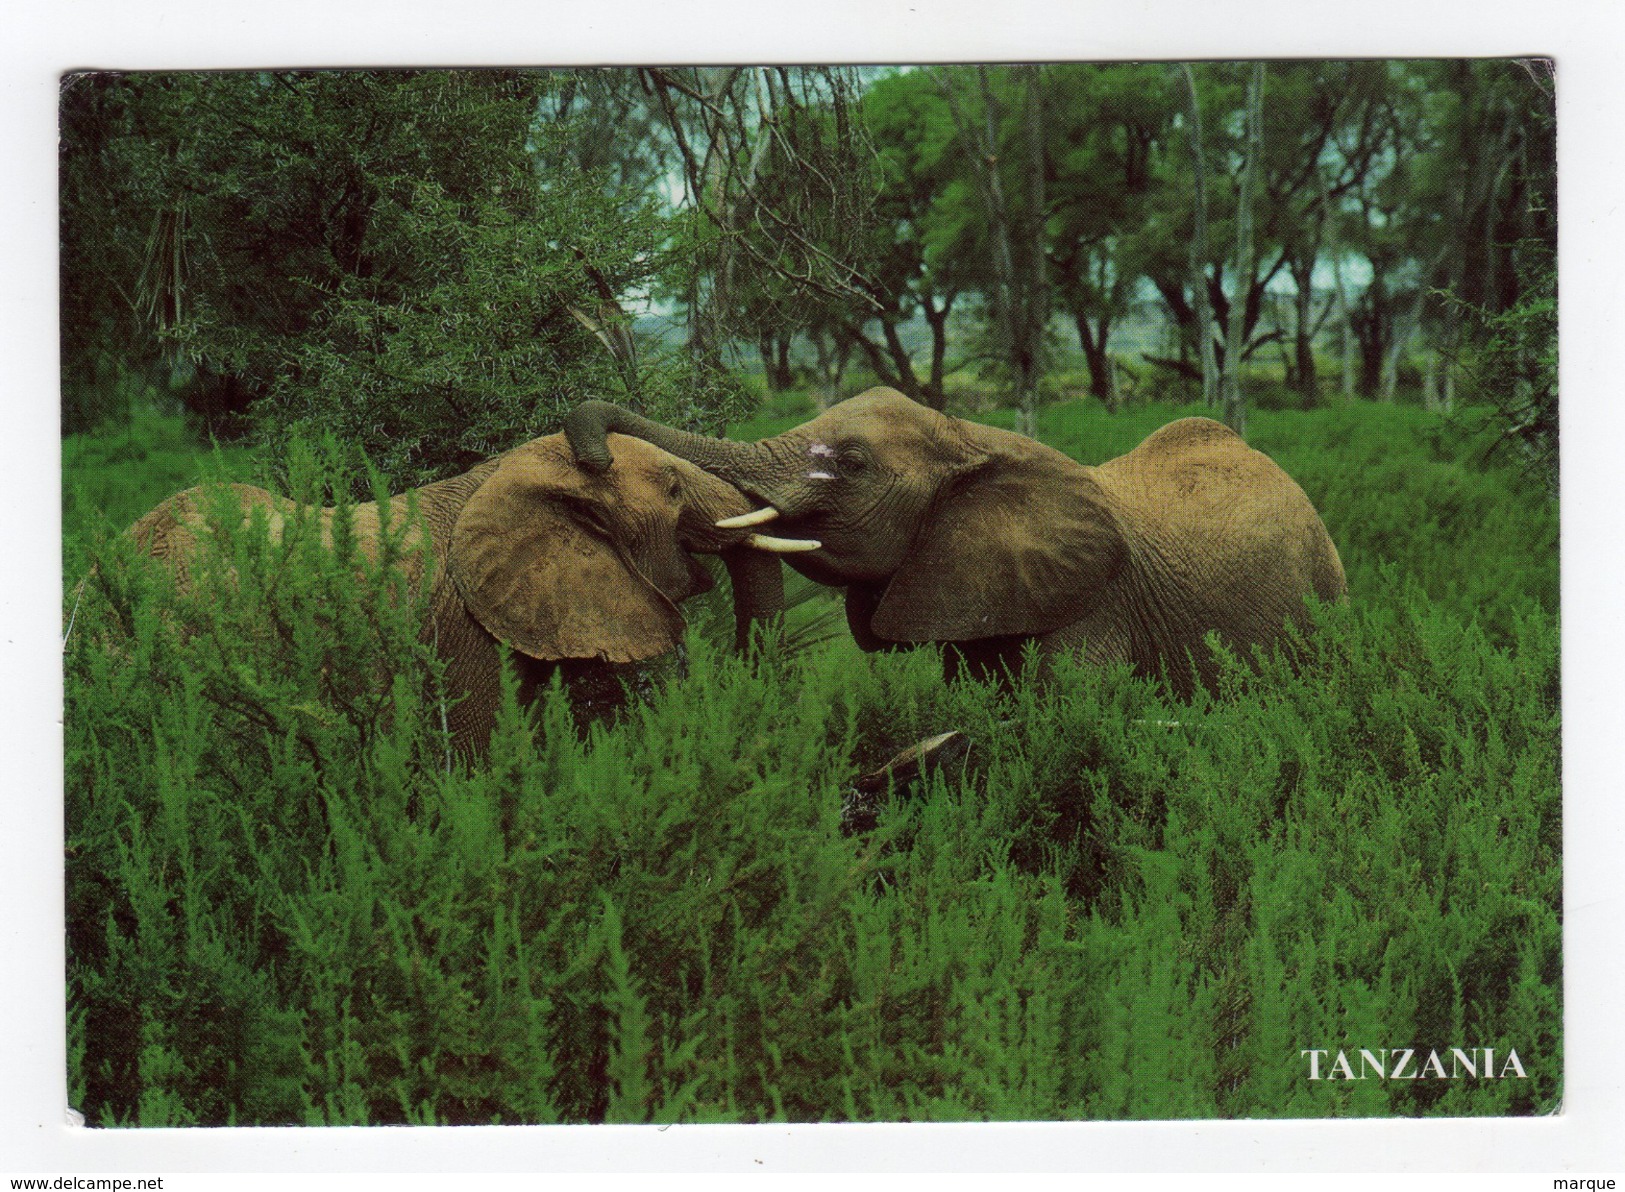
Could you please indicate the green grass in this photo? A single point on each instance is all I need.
(284, 906)
(113, 476)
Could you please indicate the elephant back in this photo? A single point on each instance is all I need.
(1221, 535)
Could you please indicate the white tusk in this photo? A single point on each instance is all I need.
(819, 476)
(782, 546)
(766, 514)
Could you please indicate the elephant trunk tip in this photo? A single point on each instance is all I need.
(587, 429)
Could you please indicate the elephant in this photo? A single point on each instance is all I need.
(948, 531)
(573, 571)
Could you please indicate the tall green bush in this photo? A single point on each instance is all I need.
(286, 904)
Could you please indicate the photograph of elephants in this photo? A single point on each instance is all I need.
(799, 594)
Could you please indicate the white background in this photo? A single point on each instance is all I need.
(1586, 39)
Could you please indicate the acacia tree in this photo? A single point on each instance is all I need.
(999, 116)
(779, 181)
(1321, 127)
(1103, 127)
(1193, 291)
(107, 217)
(1199, 247)
(1326, 127)
(915, 257)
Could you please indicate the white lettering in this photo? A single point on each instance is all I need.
(1411, 1063)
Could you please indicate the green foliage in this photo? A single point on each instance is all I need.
(1515, 368)
(286, 905)
(112, 477)
(371, 254)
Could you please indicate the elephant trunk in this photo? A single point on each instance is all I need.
(589, 425)
(756, 469)
(758, 591)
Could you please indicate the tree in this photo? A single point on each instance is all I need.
(1232, 400)
(914, 262)
(107, 221)
(1103, 127)
(1199, 247)
(368, 253)
(1000, 119)
(780, 181)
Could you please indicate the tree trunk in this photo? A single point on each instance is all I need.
(1034, 292)
(1233, 398)
(1346, 327)
(1016, 237)
(904, 378)
(1102, 379)
(1198, 253)
(774, 349)
(1304, 380)
(937, 317)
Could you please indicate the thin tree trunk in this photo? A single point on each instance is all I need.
(1198, 254)
(1346, 322)
(1035, 300)
(1303, 363)
(905, 378)
(1233, 398)
(1101, 379)
(1016, 241)
(937, 318)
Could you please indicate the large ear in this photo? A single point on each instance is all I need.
(1021, 541)
(538, 574)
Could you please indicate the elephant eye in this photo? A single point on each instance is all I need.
(853, 461)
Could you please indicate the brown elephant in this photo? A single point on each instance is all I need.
(943, 530)
(573, 571)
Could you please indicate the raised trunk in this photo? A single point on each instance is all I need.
(752, 468)
(589, 425)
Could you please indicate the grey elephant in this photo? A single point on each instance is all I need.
(943, 530)
(573, 571)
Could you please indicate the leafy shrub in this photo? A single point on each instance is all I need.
(286, 905)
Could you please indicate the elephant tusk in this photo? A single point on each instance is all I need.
(782, 546)
(766, 514)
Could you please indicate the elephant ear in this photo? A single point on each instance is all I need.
(1021, 542)
(537, 573)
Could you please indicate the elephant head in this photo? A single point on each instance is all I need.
(944, 530)
(573, 571)
(559, 563)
